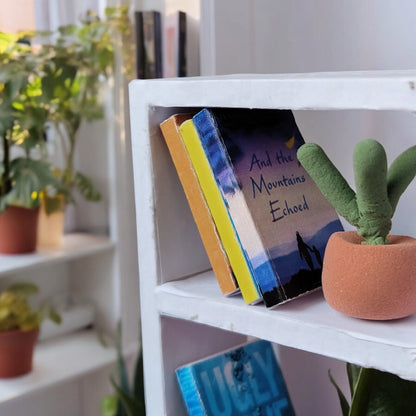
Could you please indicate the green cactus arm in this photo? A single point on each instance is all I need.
(330, 181)
(370, 172)
(401, 172)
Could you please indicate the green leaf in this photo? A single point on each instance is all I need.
(353, 372)
(86, 188)
(138, 381)
(131, 405)
(345, 407)
(109, 406)
(121, 364)
(380, 393)
(24, 289)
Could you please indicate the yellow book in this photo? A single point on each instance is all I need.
(219, 212)
(199, 208)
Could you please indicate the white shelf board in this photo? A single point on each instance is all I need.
(375, 90)
(59, 360)
(74, 245)
(307, 323)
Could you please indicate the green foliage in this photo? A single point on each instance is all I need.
(378, 189)
(128, 398)
(55, 84)
(377, 393)
(16, 312)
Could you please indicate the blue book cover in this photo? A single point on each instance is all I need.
(246, 380)
(282, 219)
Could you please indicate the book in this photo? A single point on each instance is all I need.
(237, 257)
(175, 45)
(282, 220)
(196, 200)
(148, 44)
(245, 380)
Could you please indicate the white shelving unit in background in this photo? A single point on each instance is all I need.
(186, 316)
(95, 266)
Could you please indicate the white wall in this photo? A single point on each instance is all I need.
(271, 36)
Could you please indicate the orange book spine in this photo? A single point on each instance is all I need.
(200, 211)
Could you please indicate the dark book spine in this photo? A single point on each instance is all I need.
(182, 64)
(158, 55)
(140, 48)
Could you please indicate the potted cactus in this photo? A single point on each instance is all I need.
(367, 274)
(19, 328)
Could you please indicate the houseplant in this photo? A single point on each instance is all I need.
(79, 63)
(369, 273)
(375, 392)
(23, 173)
(128, 398)
(19, 328)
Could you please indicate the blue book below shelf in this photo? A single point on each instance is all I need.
(245, 380)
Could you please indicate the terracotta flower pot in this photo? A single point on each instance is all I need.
(18, 230)
(16, 352)
(370, 281)
(50, 228)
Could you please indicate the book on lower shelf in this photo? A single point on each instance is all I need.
(282, 220)
(245, 380)
(197, 203)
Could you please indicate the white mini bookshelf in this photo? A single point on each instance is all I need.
(185, 317)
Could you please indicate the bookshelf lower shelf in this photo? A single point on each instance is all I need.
(307, 323)
(59, 360)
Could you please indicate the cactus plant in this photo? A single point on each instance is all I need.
(378, 188)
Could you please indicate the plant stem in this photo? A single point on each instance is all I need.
(5, 182)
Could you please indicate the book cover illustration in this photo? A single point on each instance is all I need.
(282, 219)
(237, 257)
(245, 380)
(197, 203)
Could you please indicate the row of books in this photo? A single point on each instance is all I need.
(263, 221)
(160, 44)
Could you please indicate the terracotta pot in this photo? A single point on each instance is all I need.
(18, 230)
(51, 228)
(370, 281)
(16, 352)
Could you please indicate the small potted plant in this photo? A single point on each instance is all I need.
(368, 273)
(77, 65)
(23, 173)
(19, 328)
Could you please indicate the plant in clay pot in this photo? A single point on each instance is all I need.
(23, 173)
(78, 63)
(19, 328)
(368, 273)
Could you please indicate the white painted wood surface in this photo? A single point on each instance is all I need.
(57, 361)
(177, 311)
